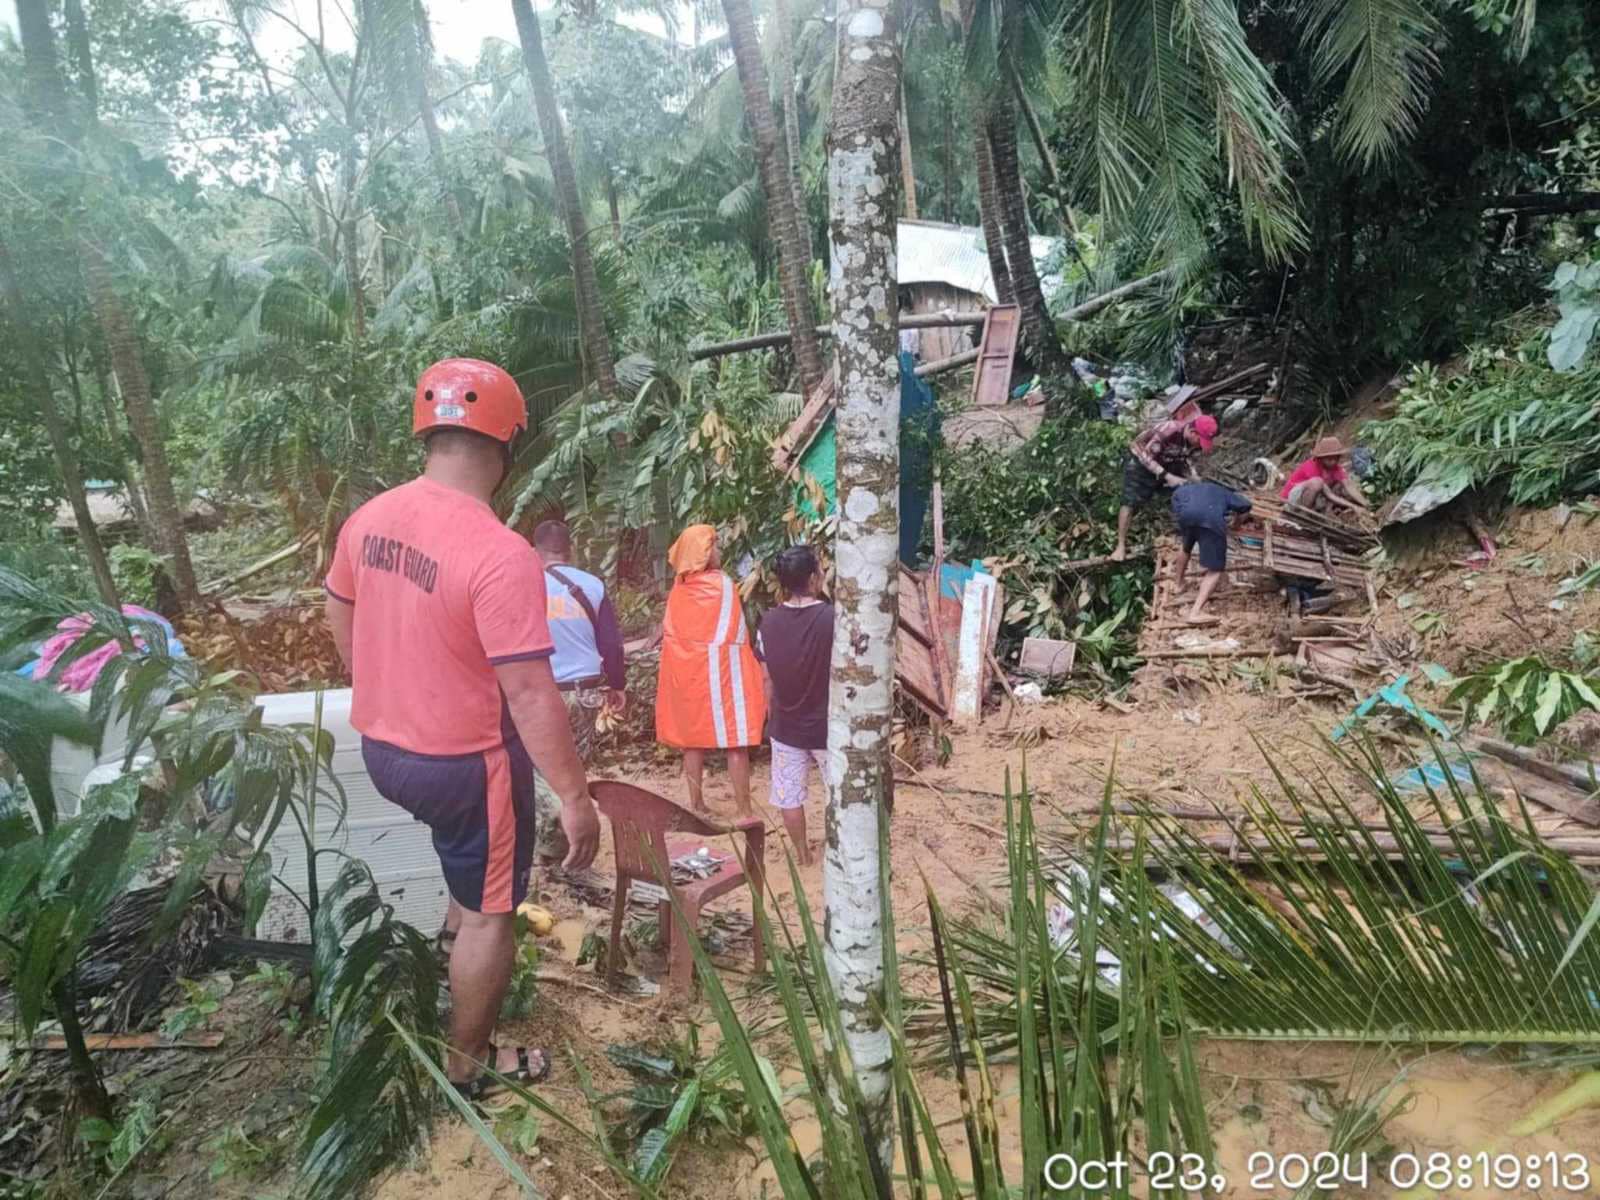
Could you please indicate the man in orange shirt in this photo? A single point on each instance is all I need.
(438, 611)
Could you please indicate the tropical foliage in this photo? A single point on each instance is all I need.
(1525, 697)
(1503, 417)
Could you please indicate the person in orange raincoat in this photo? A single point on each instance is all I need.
(709, 695)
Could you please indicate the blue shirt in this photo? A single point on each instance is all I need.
(584, 649)
(1201, 504)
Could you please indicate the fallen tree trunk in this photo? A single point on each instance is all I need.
(947, 364)
(768, 341)
(944, 320)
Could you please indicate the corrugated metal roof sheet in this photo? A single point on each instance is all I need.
(931, 252)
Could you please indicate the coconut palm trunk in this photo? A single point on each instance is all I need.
(794, 262)
(591, 321)
(908, 174)
(994, 242)
(863, 182)
(423, 41)
(138, 402)
(48, 97)
(783, 22)
(1043, 340)
(56, 429)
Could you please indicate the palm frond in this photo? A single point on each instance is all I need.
(376, 978)
(1384, 51)
(1459, 926)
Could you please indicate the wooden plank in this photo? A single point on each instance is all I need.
(135, 1041)
(1242, 652)
(1049, 657)
(941, 647)
(1575, 796)
(991, 382)
(913, 670)
(795, 440)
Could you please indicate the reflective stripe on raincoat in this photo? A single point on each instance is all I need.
(709, 695)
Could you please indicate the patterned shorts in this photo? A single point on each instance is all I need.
(791, 773)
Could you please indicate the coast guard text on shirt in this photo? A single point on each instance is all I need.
(391, 554)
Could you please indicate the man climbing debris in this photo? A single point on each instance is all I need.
(1202, 509)
(795, 645)
(438, 611)
(1158, 457)
(588, 666)
(1324, 480)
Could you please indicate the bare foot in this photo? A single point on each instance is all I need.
(1119, 554)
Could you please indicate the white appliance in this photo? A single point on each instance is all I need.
(397, 849)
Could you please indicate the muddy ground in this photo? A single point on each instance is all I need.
(1191, 733)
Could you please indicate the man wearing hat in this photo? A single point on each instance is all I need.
(1157, 458)
(1323, 479)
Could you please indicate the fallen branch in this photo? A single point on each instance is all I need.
(767, 341)
(227, 584)
(947, 364)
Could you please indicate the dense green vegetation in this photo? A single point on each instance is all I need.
(267, 226)
(232, 234)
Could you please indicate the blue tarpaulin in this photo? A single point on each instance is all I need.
(919, 431)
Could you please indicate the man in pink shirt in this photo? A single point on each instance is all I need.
(1323, 479)
(438, 611)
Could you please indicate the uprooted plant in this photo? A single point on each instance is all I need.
(62, 871)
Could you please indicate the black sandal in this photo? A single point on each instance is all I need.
(491, 1082)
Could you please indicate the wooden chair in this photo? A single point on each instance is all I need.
(640, 822)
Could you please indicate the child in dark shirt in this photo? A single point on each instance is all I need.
(795, 645)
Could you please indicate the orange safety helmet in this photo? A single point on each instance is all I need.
(468, 393)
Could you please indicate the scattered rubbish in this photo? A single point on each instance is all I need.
(1437, 485)
(1393, 696)
(1050, 657)
(1029, 693)
(1061, 921)
(1431, 775)
(701, 864)
(1189, 716)
(1264, 474)
(1199, 641)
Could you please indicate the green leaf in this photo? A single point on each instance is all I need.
(1579, 684)
(1549, 702)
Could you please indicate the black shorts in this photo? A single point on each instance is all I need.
(480, 808)
(1138, 484)
(1213, 545)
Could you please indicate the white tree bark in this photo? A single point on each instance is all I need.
(864, 200)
